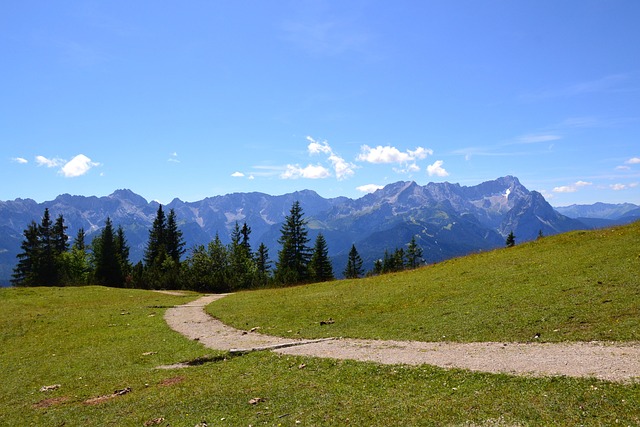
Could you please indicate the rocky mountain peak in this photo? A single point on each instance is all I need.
(127, 195)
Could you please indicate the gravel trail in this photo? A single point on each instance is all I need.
(618, 362)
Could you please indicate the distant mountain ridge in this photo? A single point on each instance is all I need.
(447, 219)
(602, 214)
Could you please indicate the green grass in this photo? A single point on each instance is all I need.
(578, 286)
(93, 341)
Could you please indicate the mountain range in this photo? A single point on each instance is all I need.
(447, 219)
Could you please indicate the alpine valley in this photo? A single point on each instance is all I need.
(447, 219)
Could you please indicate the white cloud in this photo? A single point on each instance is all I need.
(618, 187)
(411, 168)
(572, 188)
(369, 188)
(20, 160)
(316, 147)
(437, 169)
(420, 153)
(310, 172)
(50, 163)
(341, 167)
(78, 166)
(623, 168)
(389, 154)
(237, 174)
(633, 161)
(565, 189)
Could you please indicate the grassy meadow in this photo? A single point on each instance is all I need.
(578, 286)
(94, 341)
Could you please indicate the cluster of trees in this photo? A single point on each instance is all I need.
(48, 260)
(221, 268)
(400, 259)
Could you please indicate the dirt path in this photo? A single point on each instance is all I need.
(607, 361)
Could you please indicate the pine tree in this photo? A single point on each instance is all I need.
(25, 272)
(42, 261)
(244, 240)
(354, 264)
(294, 256)
(320, 265)
(164, 250)
(108, 270)
(511, 240)
(122, 252)
(243, 269)
(59, 238)
(414, 254)
(47, 272)
(173, 238)
(399, 259)
(388, 262)
(77, 263)
(156, 249)
(219, 262)
(263, 264)
(378, 267)
(79, 240)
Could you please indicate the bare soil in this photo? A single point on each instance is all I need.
(618, 362)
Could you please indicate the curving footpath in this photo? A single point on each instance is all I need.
(618, 362)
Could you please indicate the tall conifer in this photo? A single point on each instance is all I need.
(294, 256)
(320, 266)
(354, 264)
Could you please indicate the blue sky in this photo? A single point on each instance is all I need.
(201, 98)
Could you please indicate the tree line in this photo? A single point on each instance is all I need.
(47, 258)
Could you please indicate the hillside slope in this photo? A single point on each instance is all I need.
(576, 286)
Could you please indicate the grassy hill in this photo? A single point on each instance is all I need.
(94, 341)
(578, 286)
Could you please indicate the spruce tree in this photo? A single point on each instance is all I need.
(511, 240)
(156, 249)
(25, 272)
(354, 264)
(47, 272)
(320, 266)
(219, 261)
(79, 240)
(122, 252)
(244, 239)
(378, 267)
(294, 255)
(77, 265)
(164, 249)
(399, 259)
(263, 264)
(108, 269)
(173, 238)
(242, 266)
(414, 254)
(60, 240)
